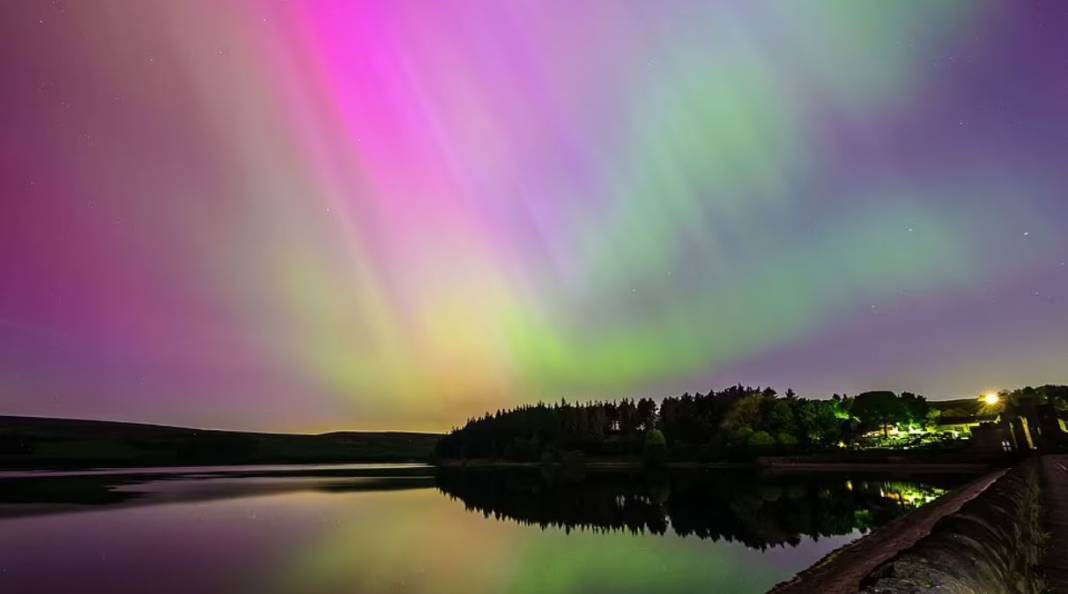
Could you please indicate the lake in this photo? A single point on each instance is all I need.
(411, 529)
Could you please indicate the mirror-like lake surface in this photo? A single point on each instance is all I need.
(392, 529)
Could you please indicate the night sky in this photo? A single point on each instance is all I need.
(346, 214)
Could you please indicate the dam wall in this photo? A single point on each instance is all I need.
(992, 545)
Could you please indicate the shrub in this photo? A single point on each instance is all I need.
(655, 450)
(761, 443)
(787, 442)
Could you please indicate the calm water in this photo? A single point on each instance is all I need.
(379, 529)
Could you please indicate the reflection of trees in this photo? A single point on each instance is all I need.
(609, 501)
(758, 511)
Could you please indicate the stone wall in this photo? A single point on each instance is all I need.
(992, 545)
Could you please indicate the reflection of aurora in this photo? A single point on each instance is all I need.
(420, 543)
(756, 511)
(683, 533)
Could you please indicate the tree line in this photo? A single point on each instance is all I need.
(736, 422)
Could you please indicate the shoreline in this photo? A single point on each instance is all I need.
(770, 465)
(767, 466)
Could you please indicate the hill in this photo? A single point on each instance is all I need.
(960, 407)
(34, 442)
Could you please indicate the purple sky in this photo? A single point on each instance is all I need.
(357, 214)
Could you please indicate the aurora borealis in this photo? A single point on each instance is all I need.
(354, 214)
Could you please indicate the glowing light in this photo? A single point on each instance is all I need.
(398, 214)
(991, 398)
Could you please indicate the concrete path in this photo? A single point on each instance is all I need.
(842, 571)
(1055, 477)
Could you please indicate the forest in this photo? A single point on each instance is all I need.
(739, 422)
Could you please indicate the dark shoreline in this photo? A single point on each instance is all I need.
(767, 466)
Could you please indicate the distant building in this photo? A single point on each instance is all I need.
(1048, 427)
(992, 438)
(962, 426)
(995, 423)
(1029, 426)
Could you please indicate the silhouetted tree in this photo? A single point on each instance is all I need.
(916, 407)
(879, 409)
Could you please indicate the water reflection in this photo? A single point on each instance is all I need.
(756, 510)
(379, 531)
(68, 491)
